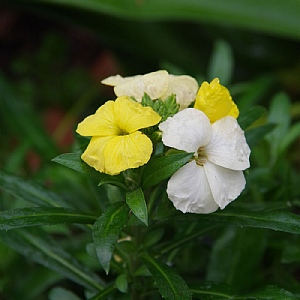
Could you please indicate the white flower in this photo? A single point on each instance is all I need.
(158, 84)
(215, 177)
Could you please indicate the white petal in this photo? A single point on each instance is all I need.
(189, 190)
(185, 87)
(187, 130)
(154, 84)
(118, 79)
(226, 185)
(228, 147)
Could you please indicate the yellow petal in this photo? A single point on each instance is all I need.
(131, 116)
(112, 155)
(102, 123)
(154, 84)
(215, 101)
(94, 153)
(126, 152)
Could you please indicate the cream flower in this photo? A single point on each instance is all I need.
(215, 177)
(158, 84)
(116, 143)
(215, 101)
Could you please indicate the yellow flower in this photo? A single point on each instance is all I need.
(116, 143)
(215, 101)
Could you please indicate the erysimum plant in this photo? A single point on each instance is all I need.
(163, 157)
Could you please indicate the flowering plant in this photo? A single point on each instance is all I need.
(166, 160)
(149, 135)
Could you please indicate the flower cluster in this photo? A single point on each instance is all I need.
(213, 178)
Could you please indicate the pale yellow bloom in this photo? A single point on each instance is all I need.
(215, 101)
(159, 84)
(117, 144)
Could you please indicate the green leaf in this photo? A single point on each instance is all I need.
(136, 202)
(121, 283)
(275, 220)
(280, 115)
(221, 62)
(274, 17)
(29, 191)
(212, 290)
(249, 116)
(74, 162)
(255, 91)
(255, 135)
(106, 231)
(170, 285)
(161, 168)
(59, 293)
(231, 250)
(37, 245)
(37, 216)
(271, 292)
(28, 127)
(114, 180)
(289, 138)
(103, 294)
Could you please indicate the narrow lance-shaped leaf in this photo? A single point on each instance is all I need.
(161, 168)
(29, 191)
(36, 216)
(104, 293)
(250, 115)
(274, 17)
(275, 220)
(271, 292)
(106, 231)
(136, 202)
(211, 290)
(37, 245)
(58, 293)
(74, 162)
(170, 284)
(254, 135)
(221, 62)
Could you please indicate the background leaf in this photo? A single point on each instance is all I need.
(273, 293)
(29, 191)
(59, 293)
(37, 216)
(252, 114)
(38, 246)
(221, 62)
(274, 17)
(212, 290)
(255, 135)
(231, 251)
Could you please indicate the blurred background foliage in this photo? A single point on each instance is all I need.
(53, 55)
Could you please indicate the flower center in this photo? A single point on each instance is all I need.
(201, 156)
